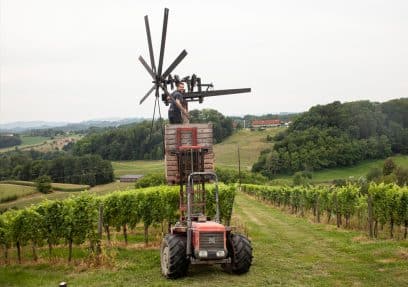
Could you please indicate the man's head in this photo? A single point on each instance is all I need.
(180, 87)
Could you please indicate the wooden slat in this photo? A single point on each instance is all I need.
(199, 136)
(172, 168)
(204, 138)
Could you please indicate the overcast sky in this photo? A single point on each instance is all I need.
(78, 59)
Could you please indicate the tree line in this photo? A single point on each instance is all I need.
(144, 141)
(59, 166)
(336, 135)
(9, 140)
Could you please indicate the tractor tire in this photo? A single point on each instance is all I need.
(240, 252)
(174, 262)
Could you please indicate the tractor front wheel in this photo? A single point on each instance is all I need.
(240, 252)
(174, 262)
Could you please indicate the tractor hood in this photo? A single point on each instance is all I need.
(208, 226)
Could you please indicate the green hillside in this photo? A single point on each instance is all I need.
(250, 143)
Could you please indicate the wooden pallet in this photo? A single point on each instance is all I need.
(183, 136)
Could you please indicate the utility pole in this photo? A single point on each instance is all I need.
(239, 169)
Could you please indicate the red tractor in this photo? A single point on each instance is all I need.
(197, 238)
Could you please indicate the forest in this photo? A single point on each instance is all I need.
(336, 135)
(59, 166)
(9, 140)
(144, 141)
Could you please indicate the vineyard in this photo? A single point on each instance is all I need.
(379, 208)
(80, 219)
(288, 250)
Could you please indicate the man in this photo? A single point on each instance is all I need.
(178, 112)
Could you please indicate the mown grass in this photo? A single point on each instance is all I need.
(27, 142)
(10, 192)
(288, 251)
(358, 170)
(32, 140)
(355, 171)
(250, 143)
(38, 197)
(54, 185)
(137, 167)
(42, 144)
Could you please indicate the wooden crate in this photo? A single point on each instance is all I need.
(204, 142)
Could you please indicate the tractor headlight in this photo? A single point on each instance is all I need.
(221, 253)
(203, 254)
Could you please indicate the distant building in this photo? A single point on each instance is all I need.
(266, 123)
(130, 177)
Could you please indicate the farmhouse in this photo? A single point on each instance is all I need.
(130, 177)
(266, 123)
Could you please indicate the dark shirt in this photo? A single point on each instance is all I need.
(174, 111)
(176, 95)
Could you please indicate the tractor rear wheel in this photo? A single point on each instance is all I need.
(240, 252)
(174, 262)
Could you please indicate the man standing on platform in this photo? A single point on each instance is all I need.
(178, 111)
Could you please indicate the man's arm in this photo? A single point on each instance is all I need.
(182, 109)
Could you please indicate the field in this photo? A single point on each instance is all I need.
(37, 197)
(10, 192)
(356, 171)
(27, 142)
(250, 143)
(137, 167)
(43, 144)
(288, 251)
(32, 140)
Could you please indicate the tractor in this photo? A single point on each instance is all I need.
(189, 159)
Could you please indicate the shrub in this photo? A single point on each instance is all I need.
(374, 174)
(302, 178)
(153, 179)
(401, 176)
(389, 166)
(227, 176)
(43, 184)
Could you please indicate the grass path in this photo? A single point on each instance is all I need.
(288, 251)
(291, 251)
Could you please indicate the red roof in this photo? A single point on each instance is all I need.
(265, 122)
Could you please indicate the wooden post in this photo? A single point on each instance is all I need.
(5, 253)
(100, 228)
(370, 216)
(338, 216)
(108, 233)
(125, 233)
(70, 250)
(35, 257)
(18, 252)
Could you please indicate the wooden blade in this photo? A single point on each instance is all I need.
(149, 42)
(147, 94)
(163, 40)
